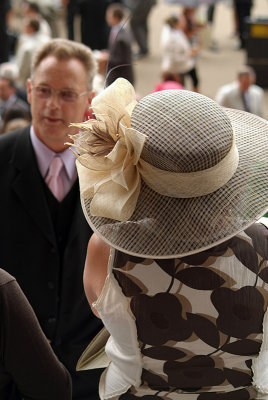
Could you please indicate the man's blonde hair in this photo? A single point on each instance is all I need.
(64, 49)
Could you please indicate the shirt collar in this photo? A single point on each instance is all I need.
(44, 157)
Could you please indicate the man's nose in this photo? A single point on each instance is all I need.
(54, 100)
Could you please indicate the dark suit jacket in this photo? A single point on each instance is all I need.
(120, 58)
(29, 252)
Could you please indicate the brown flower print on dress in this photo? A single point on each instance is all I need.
(159, 318)
(240, 311)
(195, 373)
(241, 394)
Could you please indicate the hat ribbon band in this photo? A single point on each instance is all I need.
(190, 184)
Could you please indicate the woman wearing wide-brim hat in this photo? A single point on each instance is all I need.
(177, 268)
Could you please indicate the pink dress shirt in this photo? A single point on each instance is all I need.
(44, 156)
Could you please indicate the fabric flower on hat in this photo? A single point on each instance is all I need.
(109, 151)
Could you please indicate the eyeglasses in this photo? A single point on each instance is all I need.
(65, 95)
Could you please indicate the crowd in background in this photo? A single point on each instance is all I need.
(118, 37)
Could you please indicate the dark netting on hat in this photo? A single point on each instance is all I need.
(165, 227)
(203, 138)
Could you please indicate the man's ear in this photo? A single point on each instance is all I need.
(29, 90)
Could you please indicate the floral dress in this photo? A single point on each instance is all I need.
(199, 322)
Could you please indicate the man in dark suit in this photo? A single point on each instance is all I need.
(44, 235)
(119, 56)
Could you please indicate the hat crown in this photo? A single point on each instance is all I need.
(186, 131)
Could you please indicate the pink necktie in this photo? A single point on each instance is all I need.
(53, 179)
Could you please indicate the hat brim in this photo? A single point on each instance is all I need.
(166, 227)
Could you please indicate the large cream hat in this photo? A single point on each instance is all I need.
(172, 174)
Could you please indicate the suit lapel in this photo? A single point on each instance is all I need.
(28, 186)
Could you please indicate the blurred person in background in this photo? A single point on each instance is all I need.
(119, 55)
(31, 9)
(14, 118)
(139, 14)
(192, 26)
(178, 56)
(169, 81)
(242, 94)
(9, 70)
(5, 8)
(71, 9)
(242, 10)
(94, 29)
(32, 40)
(51, 10)
(212, 43)
(9, 99)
